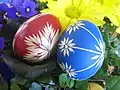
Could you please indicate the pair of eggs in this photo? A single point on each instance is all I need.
(80, 50)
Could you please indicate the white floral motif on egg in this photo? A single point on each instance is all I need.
(66, 42)
(41, 44)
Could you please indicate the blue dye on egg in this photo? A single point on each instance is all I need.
(81, 50)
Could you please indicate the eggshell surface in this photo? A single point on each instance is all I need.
(36, 38)
(81, 50)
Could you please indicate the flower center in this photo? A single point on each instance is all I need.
(28, 9)
(66, 46)
(72, 12)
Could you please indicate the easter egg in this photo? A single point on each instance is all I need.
(94, 86)
(35, 39)
(81, 50)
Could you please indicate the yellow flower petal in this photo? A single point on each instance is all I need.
(111, 2)
(64, 23)
(118, 30)
(114, 19)
(70, 11)
(112, 10)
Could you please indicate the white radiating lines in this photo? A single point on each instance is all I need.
(67, 45)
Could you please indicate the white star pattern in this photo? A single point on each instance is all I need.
(75, 27)
(41, 44)
(65, 45)
(68, 46)
(68, 69)
(100, 57)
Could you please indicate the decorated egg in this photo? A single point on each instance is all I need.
(94, 86)
(81, 50)
(35, 39)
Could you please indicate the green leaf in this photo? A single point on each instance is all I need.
(117, 62)
(81, 85)
(51, 88)
(114, 59)
(113, 83)
(114, 41)
(117, 71)
(117, 50)
(45, 78)
(20, 80)
(106, 53)
(106, 38)
(101, 74)
(109, 27)
(62, 79)
(70, 83)
(3, 86)
(14, 86)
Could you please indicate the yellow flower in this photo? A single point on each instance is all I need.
(70, 11)
(111, 2)
(112, 11)
(114, 17)
(118, 30)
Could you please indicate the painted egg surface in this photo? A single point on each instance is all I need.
(81, 50)
(35, 39)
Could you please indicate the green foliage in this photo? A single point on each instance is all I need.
(62, 79)
(3, 85)
(101, 74)
(14, 86)
(44, 78)
(65, 81)
(109, 27)
(113, 83)
(81, 85)
(69, 83)
(42, 5)
(20, 80)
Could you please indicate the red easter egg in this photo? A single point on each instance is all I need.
(35, 39)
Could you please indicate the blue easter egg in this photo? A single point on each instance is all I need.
(81, 50)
